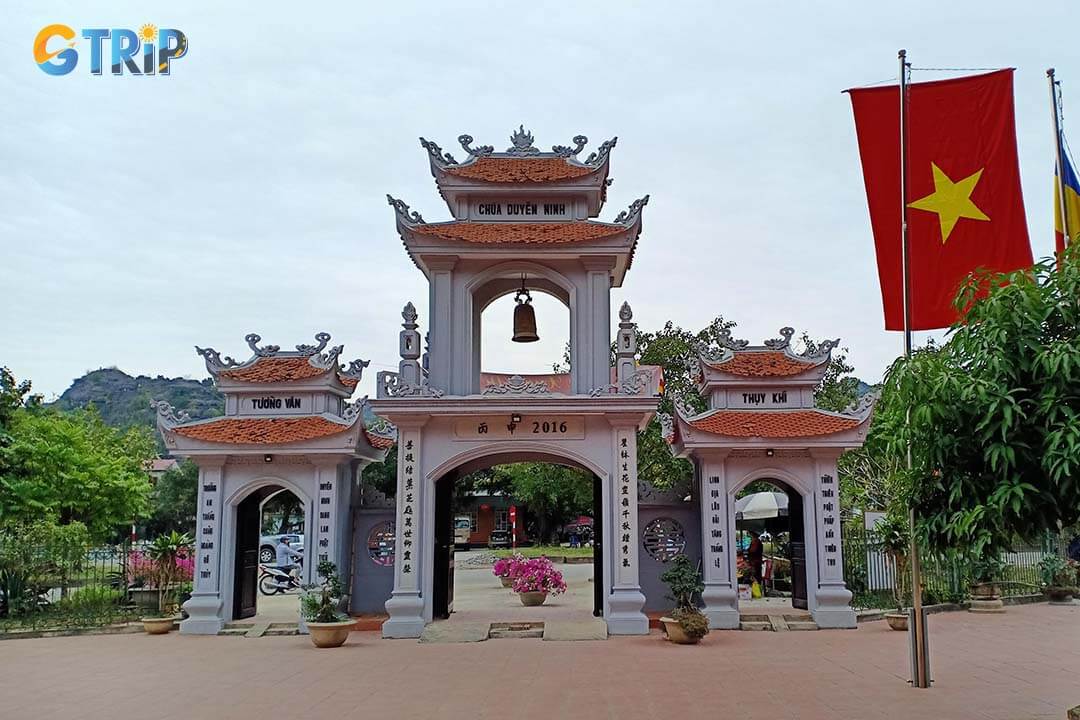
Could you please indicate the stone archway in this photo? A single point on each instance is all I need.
(800, 517)
(240, 532)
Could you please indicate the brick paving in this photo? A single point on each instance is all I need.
(1020, 665)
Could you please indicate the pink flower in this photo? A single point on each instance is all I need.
(508, 567)
(539, 575)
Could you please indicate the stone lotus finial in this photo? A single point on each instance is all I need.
(522, 143)
(408, 314)
(625, 313)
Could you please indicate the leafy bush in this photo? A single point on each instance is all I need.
(319, 603)
(692, 622)
(1056, 571)
(88, 600)
(684, 582)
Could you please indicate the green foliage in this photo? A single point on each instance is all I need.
(692, 621)
(35, 556)
(1056, 571)
(320, 602)
(995, 413)
(553, 494)
(91, 600)
(684, 582)
(165, 552)
(72, 467)
(987, 568)
(383, 475)
(174, 500)
(282, 513)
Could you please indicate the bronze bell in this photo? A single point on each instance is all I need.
(524, 317)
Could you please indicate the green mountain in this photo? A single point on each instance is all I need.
(124, 401)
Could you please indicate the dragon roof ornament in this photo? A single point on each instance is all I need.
(632, 213)
(404, 214)
(167, 415)
(822, 351)
(783, 342)
(522, 144)
(316, 354)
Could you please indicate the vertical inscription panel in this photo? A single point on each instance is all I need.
(208, 539)
(408, 505)
(625, 532)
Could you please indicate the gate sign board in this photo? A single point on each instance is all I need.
(531, 427)
(521, 209)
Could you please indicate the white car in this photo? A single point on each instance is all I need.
(268, 546)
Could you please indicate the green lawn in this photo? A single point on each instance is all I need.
(549, 551)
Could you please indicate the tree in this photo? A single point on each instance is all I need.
(995, 413)
(175, 500)
(553, 494)
(68, 467)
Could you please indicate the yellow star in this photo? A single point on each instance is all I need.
(950, 200)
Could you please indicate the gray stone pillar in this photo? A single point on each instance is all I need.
(406, 603)
(833, 607)
(625, 603)
(204, 608)
(721, 594)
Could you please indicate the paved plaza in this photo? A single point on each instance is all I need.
(1020, 665)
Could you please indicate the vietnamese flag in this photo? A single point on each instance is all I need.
(965, 206)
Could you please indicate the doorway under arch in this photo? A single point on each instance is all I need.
(774, 509)
(252, 541)
(443, 557)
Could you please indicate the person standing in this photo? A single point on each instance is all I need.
(755, 555)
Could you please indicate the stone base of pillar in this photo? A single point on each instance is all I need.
(986, 606)
(204, 615)
(721, 607)
(624, 613)
(834, 607)
(406, 616)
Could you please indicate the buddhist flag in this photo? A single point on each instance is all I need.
(965, 207)
(1071, 192)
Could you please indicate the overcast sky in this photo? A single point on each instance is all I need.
(245, 192)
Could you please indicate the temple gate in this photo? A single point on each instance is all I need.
(761, 424)
(522, 221)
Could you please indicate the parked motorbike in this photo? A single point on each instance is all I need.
(273, 580)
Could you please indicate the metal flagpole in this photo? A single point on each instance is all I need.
(1059, 155)
(920, 676)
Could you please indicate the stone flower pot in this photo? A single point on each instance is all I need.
(897, 620)
(532, 599)
(157, 625)
(507, 581)
(330, 635)
(673, 629)
(1059, 595)
(986, 598)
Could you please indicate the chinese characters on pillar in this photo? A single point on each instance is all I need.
(714, 525)
(626, 510)
(208, 535)
(408, 511)
(830, 525)
(326, 502)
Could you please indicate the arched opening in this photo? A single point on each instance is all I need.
(270, 551)
(771, 542)
(535, 503)
(493, 298)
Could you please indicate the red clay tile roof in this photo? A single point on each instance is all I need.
(274, 369)
(510, 232)
(281, 369)
(378, 442)
(774, 424)
(519, 170)
(262, 431)
(762, 363)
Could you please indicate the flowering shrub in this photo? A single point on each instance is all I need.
(538, 575)
(508, 567)
(141, 568)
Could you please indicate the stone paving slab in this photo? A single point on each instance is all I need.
(459, 632)
(595, 629)
(1020, 665)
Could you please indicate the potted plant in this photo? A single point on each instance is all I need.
(506, 568)
(170, 558)
(1059, 577)
(892, 532)
(319, 606)
(685, 625)
(535, 579)
(986, 571)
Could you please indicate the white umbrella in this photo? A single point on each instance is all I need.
(757, 506)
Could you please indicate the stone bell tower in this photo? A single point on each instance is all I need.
(521, 217)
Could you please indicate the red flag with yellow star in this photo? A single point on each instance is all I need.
(965, 206)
